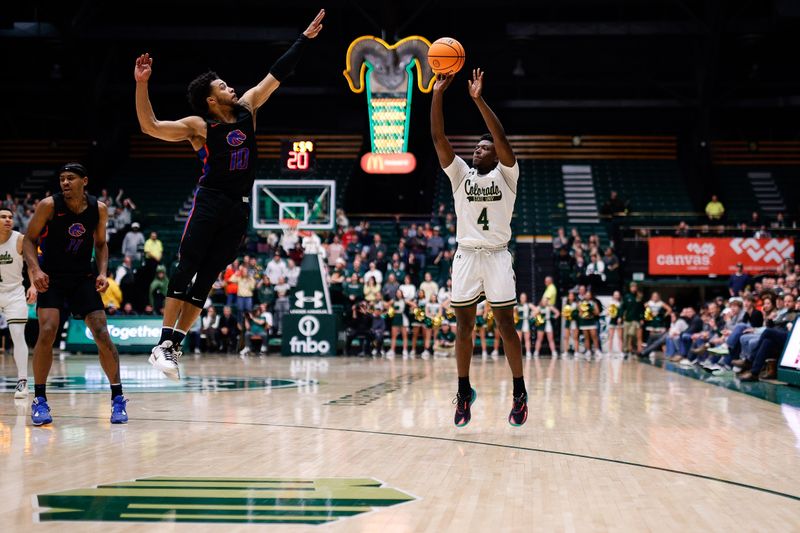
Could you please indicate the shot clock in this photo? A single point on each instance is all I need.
(298, 156)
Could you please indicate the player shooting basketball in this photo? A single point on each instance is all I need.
(482, 266)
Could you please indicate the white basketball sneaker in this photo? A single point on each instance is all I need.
(21, 390)
(164, 358)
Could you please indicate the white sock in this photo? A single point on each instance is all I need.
(20, 349)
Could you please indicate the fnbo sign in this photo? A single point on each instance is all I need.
(309, 335)
(129, 334)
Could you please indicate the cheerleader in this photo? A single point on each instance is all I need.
(522, 314)
(433, 319)
(614, 323)
(588, 321)
(570, 329)
(543, 318)
(399, 322)
(418, 320)
(655, 316)
(481, 312)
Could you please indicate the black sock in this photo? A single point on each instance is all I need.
(464, 388)
(39, 391)
(166, 333)
(177, 337)
(519, 386)
(116, 390)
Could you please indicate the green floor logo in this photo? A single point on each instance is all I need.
(222, 500)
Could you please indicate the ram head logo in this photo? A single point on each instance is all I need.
(386, 73)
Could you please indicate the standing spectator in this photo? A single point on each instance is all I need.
(755, 219)
(265, 291)
(714, 209)
(565, 269)
(435, 244)
(158, 289)
(632, 312)
(125, 278)
(739, 280)
(283, 286)
(105, 198)
(376, 246)
(353, 288)
(335, 251)
(133, 243)
(560, 240)
(413, 267)
(550, 291)
(389, 289)
(292, 273)
(112, 297)
(408, 289)
(124, 214)
(445, 263)
(341, 218)
(612, 269)
(276, 269)
(282, 307)
(245, 285)
(429, 287)
(153, 249)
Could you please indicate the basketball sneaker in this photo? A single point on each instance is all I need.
(519, 410)
(464, 409)
(118, 413)
(40, 412)
(21, 390)
(165, 358)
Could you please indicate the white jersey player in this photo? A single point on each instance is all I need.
(484, 198)
(13, 303)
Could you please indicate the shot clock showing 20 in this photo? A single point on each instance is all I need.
(298, 156)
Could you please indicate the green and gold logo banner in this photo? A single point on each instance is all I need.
(222, 500)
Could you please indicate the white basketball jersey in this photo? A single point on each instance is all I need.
(484, 203)
(10, 264)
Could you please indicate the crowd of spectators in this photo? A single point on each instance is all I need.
(579, 262)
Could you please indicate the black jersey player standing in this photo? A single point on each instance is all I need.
(223, 135)
(67, 227)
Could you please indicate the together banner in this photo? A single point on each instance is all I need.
(136, 334)
(716, 255)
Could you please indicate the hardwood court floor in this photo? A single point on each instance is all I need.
(608, 446)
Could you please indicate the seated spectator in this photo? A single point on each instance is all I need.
(614, 205)
(359, 327)
(373, 273)
(209, 331)
(714, 209)
(445, 343)
(128, 310)
(257, 325)
(682, 230)
(595, 270)
(372, 290)
(158, 289)
(429, 287)
(779, 222)
(762, 232)
(444, 261)
(228, 331)
(112, 297)
(769, 347)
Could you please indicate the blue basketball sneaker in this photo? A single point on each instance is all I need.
(463, 408)
(40, 412)
(119, 415)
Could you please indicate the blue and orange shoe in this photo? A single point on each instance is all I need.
(519, 410)
(463, 408)
(119, 415)
(40, 412)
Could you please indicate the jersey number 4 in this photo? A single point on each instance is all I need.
(484, 220)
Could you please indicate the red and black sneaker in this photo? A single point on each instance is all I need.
(519, 410)
(463, 411)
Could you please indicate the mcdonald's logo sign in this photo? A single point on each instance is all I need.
(396, 163)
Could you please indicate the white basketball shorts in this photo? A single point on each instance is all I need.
(483, 273)
(13, 305)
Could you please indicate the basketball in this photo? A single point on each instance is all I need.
(446, 56)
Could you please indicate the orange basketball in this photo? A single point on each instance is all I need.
(446, 56)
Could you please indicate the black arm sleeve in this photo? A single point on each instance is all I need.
(285, 64)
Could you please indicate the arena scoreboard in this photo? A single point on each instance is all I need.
(298, 156)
